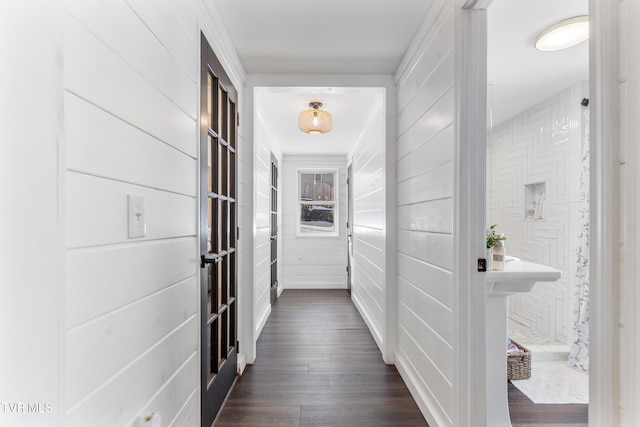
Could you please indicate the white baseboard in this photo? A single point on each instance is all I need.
(262, 321)
(431, 410)
(241, 363)
(320, 285)
(365, 316)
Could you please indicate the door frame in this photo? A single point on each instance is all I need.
(604, 210)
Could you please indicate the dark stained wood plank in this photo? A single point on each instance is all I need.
(526, 413)
(318, 365)
(317, 357)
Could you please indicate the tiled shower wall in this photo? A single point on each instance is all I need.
(540, 145)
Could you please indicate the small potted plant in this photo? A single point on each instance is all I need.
(493, 239)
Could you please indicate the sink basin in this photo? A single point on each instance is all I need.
(519, 276)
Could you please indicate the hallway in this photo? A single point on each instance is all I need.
(318, 365)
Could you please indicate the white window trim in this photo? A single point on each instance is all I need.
(336, 195)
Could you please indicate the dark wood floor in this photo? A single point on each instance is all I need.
(318, 365)
(526, 413)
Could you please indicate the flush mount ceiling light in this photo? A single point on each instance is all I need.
(314, 121)
(564, 34)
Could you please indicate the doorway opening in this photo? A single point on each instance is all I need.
(537, 190)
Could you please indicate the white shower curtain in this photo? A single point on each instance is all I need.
(579, 352)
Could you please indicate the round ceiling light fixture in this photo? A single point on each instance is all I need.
(564, 34)
(315, 121)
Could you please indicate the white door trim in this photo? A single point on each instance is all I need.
(470, 212)
(603, 348)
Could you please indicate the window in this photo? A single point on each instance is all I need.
(317, 203)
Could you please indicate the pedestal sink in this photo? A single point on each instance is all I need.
(518, 276)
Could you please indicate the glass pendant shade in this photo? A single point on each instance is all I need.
(314, 121)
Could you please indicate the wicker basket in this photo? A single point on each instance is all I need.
(519, 366)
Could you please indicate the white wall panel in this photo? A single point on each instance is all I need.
(95, 287)
(433, 248)
(439, 83)
(146, 56)
(97, 141)
(262, 224)
(95, 73)
(425, 187)
(430, 279)
(173, 23)
(438, 118)
(370, 291)
(427, 58)
(132, 329)
(435, 216)
(119, 401)
(97, 212)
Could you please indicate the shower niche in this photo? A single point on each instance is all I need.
(534, 200)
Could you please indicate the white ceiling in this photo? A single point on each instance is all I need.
(322, 37)
(519, 75)
(371, 37)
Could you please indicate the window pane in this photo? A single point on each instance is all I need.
(317, 217)
(317, 186)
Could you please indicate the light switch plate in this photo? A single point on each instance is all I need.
(137, 217)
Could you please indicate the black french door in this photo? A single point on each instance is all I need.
(274, 229)
(218, 235)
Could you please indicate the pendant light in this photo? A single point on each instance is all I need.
(314, 121)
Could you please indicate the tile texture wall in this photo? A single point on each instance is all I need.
(540, 145)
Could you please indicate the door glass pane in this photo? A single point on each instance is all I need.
(221, 99)
(232, 225)
(219, 230)
(212, 338)
(222, 170)
(220, 283)
(224, 117)
(220, 355)
(231, 288)
(210, 301)
(232, 174)
(212, 231)
(224, 176)
(232, 126)
(224, 225)
(212, 164)
(210, 97)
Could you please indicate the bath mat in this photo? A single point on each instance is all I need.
(554, 382)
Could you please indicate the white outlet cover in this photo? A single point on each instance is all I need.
(136, 216)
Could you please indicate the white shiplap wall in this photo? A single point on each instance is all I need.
(132, 305)
(312, 262)
(264, 145)
(425, 152)
(369, 213)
